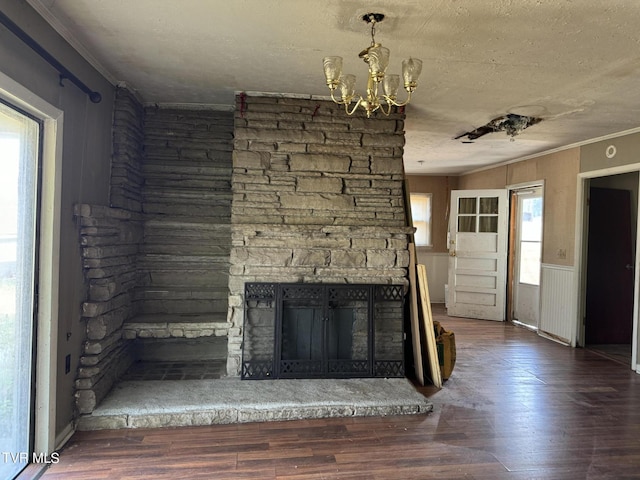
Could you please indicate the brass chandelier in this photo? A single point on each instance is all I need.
(377, 58)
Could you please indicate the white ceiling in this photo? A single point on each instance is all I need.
(574, 63)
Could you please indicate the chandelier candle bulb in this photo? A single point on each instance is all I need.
(377, 58)
(332, 70)
(411, 70)
(390, 85)
(348, 87)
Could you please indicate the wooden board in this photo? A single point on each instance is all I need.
(415, 319)
(427, 318)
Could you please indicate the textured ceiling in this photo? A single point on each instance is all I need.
(576, 64)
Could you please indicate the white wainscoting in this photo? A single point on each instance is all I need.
(557, 302)
(437, 265)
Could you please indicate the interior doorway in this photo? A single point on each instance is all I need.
(609, 301)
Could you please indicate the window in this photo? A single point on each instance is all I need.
(421, 215)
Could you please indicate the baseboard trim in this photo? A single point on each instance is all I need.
(64, 436)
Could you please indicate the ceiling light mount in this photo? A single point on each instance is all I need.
(511, 123)
(377, 58)
(373, 17)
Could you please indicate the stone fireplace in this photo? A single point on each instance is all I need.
(283, 190)
(317, 198)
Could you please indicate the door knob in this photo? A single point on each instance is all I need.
(628, 266)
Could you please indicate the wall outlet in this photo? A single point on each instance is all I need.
(67, 364)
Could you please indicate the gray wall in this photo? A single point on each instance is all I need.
(86, 164)
(594, 156)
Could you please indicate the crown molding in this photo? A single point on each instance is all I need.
(610, 136)
(192, 106)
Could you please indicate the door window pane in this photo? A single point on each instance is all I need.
(489, 205)
(530, 240)
(466, 205)
(530, 262)
(489, 224)
(19, 144)
(531, 225)
(466, 224)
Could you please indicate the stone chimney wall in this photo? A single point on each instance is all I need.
(317, 197)
(110, 238)
(126, 163)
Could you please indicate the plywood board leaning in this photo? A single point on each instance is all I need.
(427, 318)
(415, 319)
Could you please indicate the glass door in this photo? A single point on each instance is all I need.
(19, 154)
(528, 251)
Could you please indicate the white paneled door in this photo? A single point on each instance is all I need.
(478, 228)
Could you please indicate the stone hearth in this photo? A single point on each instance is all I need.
(154, 404)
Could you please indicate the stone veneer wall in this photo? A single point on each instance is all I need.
(110, 238)
(317, 197)
(127, 178)
(186, 202)
(157, 261)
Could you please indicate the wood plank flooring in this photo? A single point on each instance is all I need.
(517, 406)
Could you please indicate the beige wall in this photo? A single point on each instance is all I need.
(559, 172)
(492, 178)
(86, 166)
(440, 188)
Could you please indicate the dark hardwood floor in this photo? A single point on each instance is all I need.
(517, 406)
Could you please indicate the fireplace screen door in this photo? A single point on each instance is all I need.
(324, 331)
(319, 331)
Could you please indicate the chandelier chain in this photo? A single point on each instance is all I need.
(373, 32)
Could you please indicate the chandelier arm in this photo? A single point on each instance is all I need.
(355, 107)
(398, 104)
(388, 110)
(339, 102)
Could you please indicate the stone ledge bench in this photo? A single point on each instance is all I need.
(175, 326)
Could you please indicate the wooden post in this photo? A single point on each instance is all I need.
(427, 318)
(415, 320)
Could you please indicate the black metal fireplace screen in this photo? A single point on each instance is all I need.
(322, 331)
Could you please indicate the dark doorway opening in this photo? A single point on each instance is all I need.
(610, 266)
